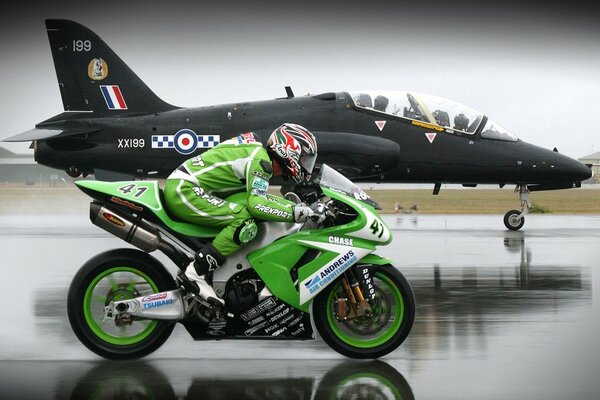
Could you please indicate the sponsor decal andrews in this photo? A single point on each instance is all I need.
(331, 272)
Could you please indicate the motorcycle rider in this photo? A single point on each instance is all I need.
(194, 192)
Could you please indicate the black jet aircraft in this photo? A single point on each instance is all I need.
(116, 128)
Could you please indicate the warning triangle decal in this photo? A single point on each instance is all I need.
(380, 125)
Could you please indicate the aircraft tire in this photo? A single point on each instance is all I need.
(512, 222)
(117, 274)
(368, 337)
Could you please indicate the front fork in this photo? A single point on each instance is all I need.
(354, 305)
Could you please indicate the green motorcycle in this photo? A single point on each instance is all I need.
(124, 303)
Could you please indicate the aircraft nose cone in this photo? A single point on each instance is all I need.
(573, 170)
(582, 171)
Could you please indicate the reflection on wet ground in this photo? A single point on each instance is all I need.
(499, 314)
(234, 379)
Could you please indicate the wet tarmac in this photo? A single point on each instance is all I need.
(499, 315)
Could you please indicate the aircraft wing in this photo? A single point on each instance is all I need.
(43, 134)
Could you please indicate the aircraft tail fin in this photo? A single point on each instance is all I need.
(93, 78)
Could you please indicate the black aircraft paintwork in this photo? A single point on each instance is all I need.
(112, 119)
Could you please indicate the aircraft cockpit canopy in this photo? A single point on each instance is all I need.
(433, 110)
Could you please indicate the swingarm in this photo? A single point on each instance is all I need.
(170, 306)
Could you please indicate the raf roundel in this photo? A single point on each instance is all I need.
(185, 141)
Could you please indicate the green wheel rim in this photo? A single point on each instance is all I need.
(390, 303)
(374, 382)
(96, 296)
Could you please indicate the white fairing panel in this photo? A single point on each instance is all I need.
(347, 257)
(268, 232)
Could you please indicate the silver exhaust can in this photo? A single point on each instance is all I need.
(144, 237)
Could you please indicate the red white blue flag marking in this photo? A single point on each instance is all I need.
(113, 97)
(185, 141)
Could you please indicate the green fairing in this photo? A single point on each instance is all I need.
(275, 262)
(360, 222)
(150, 199)
(374, 259)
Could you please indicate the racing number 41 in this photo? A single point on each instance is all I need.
(129, 188)
(377, 227)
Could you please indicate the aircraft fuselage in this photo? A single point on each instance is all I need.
(364, 144)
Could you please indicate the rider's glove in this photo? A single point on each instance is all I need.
(304, 213)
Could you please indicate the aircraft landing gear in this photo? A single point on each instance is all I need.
(514, 219)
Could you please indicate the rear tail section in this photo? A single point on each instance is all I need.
(93, 78)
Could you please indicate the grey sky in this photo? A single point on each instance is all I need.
(534, 70)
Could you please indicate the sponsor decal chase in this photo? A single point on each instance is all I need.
(341, 240)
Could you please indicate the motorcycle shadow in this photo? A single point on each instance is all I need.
(141, 380)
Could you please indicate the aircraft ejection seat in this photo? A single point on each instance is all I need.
(364, 100)
(381, 103)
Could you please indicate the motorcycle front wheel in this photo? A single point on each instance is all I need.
(391, 319)
(113, 276)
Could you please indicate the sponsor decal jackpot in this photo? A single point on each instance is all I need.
(272, 211)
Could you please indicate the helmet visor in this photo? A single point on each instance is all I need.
(307, 161)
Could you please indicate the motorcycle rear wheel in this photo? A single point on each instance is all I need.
(393, 314)
(111, 276)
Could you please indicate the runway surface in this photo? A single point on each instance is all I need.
(499, 315)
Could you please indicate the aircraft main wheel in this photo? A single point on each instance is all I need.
(511, 220)
(110, 276)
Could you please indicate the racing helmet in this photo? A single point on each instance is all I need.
(295, 149)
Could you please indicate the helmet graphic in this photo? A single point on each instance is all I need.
(295, 148)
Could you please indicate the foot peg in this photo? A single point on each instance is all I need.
(200, 288)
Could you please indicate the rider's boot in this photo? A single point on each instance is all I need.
(207, 259)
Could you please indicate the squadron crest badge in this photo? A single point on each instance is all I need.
(97, 69)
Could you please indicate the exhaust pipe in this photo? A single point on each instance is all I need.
(141, 235)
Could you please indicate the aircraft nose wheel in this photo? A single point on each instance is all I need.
(512, 220)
